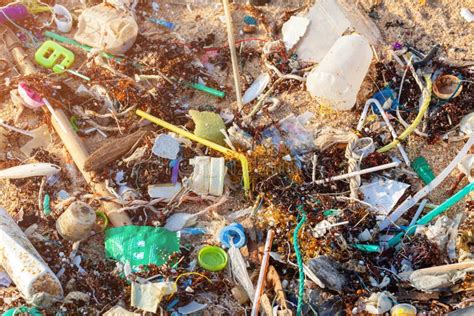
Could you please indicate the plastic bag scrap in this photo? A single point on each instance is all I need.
(148, 296)
(383, 194)
(140, 245)
(239, 270)
(107, 28)
(327, 271)
(292, 132)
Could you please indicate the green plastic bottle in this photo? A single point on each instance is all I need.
(423, 169)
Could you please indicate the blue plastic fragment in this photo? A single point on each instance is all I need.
(250, 20)
(387, 94)
(167, 24)
(234, 232)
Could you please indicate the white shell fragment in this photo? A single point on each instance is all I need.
(293, 30)
(257, 87)
(29, 170)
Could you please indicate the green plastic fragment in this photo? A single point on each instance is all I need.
(208, 126)
(211, 91)
(140, 245)
(47, 204)
(73, 121)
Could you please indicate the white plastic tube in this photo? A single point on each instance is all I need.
(410, 202)
(24, 265)
(358, 173)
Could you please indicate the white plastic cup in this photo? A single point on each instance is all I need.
(337, 80)
(24, 265)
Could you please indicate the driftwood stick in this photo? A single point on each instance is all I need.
(79, 154)
(111, 151)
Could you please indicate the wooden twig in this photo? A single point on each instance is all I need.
(233, 54)
(111, 151)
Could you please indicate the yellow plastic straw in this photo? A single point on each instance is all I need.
(416, 122)
(226, 151)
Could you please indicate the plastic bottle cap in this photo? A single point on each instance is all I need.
(63, 18)
(212, 258)
(235, 233)
(403, 310)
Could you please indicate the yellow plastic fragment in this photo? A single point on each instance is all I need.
(226, 151)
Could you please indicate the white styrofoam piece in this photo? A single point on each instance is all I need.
(166, 146)
(216, 176)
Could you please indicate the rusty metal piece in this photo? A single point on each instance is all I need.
(111, 151)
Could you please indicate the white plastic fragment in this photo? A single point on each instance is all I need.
(179, 221)
(29, 170)
(166, 146)
(466, 166)
(164, 191)
(440, 277)
(379, 303)
(383, 194)
(239, 271)
(148, 296)
(327, 24)
(467, 124)
(119, 311)
(293, 30)
(410, 202)
(257, 87)
(63, 18)
(208, 175)
(24, 265)
(467, 15)
(191, 308)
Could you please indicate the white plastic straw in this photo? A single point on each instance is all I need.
(358, 173)
(410, 202)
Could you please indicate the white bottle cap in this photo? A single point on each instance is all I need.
(63, 18)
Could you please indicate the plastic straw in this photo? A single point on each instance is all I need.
(410, 202)
(446, 205)
(226, 151)
(358, 173)
(263, 273)
(209, 90)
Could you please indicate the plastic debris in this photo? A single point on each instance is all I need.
(328, 273)
(164, 191)
(208, 126)
(191, 308)
(379, 303)
(166, 146)
(29, 170)
(257, 88)
(293, 30)
(148, 296)
(107, 28)
(383, 194)
(208, 175)
(140, 245)
(31, 275)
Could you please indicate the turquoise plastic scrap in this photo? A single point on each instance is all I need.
(33, 311)
(141, 245)
(446, 205)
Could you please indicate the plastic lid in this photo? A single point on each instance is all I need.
(235, 233)
(212, 258)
